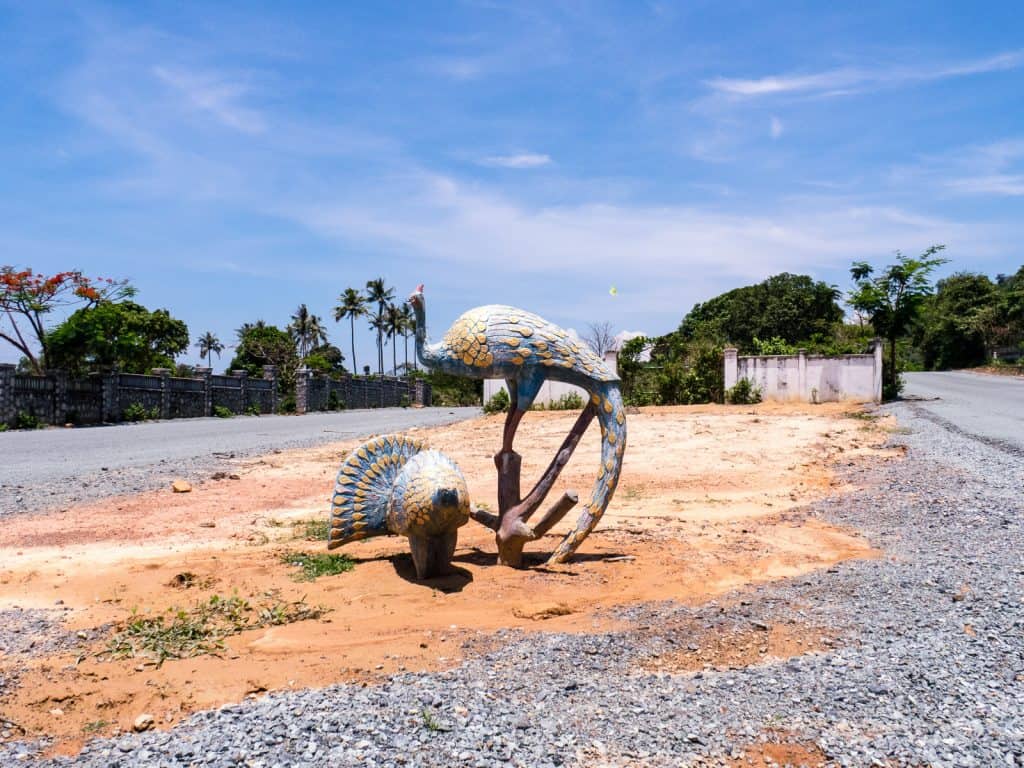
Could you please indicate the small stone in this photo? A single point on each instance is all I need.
(181, 486)
(208, 524)
(143, 723)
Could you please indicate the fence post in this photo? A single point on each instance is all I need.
(204, 374)
(731, 369)
(270, 374)
(60, 396)
(6, 393)
(165, 391)
(302, 389)
(243, 387)
(111, 404)
(877, 349)
(801, 367)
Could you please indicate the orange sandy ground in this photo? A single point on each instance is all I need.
(705, 505)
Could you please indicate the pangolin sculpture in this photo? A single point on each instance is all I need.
(395, 485)
(497, 341)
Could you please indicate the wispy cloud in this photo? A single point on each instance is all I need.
(995, 170)
(849, 80)
(213, 94)
(521, 160)
(775, 127)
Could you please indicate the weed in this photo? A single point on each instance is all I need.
(313, 530)
(180, 634)
(498, 403)
(26, 420)
(252, 410)
(139, 412)
(862, 415)
(320, 564)
(4, 427)
(95, 726)
(222, 412)
(431, 723)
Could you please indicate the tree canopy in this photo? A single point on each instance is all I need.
(789, 307)
(122, 335)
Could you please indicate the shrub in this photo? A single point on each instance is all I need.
(253, 410)
(222, 412)
(776, 345)
(334, 403)
(499, 403)
(3, 427)
(405, 402)
(743, 393)
(26, 420)
(139, 412)
(287, 405)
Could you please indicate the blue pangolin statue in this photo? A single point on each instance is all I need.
(503, 342)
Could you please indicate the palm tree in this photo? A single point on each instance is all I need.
(307, 331)
(378, 293)
(351, 304)
(241, 331)
(408, 327)
(378, 323)
(208, 344)
(394, 326)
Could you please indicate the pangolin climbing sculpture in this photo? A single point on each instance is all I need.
(395, 485)
(496, 341)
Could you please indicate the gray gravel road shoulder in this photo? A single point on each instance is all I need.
(55, 468)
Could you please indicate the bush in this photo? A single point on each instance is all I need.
(26, 420)
(570, 401)
(334, 403)
(776, 345)
(744, 393)
(222, 412)
(405, 402)
(138, 412)
(287, 405)
(892, 386)
(499, 403)
(253, 410)
(4, 427)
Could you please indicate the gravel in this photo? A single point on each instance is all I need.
(56, 468)
(927, 667)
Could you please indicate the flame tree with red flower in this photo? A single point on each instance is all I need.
(26, 298)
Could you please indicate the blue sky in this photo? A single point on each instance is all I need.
(236, 159)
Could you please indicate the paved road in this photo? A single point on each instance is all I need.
(59, 467)
(984, 406)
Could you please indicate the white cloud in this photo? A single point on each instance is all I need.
(522, 160)
(213, 94)
(994, 169)
(775, 127)
(850, 80)
(1005, 185)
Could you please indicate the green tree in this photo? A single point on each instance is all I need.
(960, 322)
(26, 298)
(122, 335)
(351, 304)
(326, 358)
(394, 327)
(208, 344)
(378, 293)
(408, 329)
(793, 308)
(260, 344)
(892, 300)
(307, 330)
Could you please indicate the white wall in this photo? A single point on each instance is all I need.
(809, 378)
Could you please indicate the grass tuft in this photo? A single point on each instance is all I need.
(181, 634)
(316, 529)
(321, 564)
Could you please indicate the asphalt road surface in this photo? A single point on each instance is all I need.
(990, 408)
(54, 468)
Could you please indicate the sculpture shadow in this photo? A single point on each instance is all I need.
(455, 581)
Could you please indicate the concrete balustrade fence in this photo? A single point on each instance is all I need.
(809, 378)
(57, 398)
